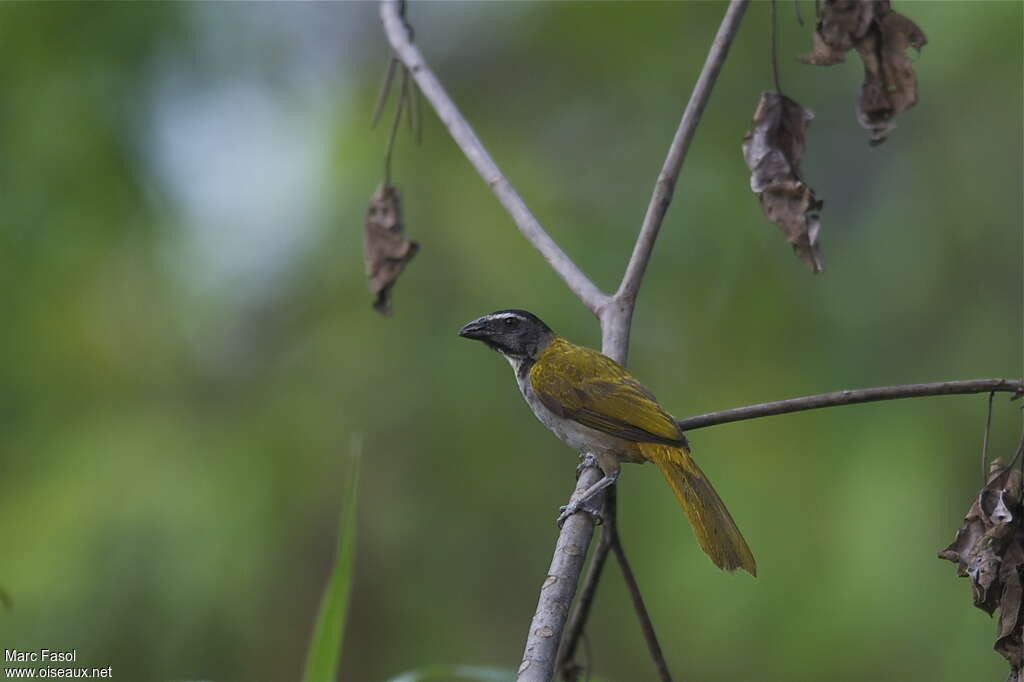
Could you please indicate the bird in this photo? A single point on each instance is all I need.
(598, 408)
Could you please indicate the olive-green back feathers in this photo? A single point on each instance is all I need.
(583, 385)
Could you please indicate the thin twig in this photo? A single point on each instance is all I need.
(589, 660)
(417, 112)
(634, 592)
(645, 620)
(984, 443)
(1017, 455)
(666, 183)
(851, 397)
(406, 96)
(390, 148)
(470, 144)
(385, 90)
(773, 29)
(617, 316)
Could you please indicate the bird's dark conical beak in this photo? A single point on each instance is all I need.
(474, 330)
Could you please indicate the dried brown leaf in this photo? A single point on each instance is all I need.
(881, 36)
(966, 538)
(385, 248)
(890, 86)
(989, 549)
(772, 149)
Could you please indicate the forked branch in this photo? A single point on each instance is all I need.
(615, 314)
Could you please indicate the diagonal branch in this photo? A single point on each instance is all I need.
(666, 183)
(557, 591)
(645, 620)
(852, 397)
(469, 143)
(566, 664)
(634, 592)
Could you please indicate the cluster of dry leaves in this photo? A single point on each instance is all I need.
(989, 549)
(775, 144)
(881, 37)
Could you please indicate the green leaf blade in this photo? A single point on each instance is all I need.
(325, 645)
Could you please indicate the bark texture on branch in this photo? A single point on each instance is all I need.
(557, 591)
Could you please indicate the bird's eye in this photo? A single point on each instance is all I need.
(511, 323)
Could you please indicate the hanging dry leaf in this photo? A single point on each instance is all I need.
(881, 36)
(989, 549)
(385, 248)
(773, 149)
(890, 86)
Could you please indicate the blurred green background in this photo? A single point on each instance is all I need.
(189, 349)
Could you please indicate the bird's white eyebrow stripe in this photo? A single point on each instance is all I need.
(502, 316)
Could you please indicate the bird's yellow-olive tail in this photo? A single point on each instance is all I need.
(712, 524)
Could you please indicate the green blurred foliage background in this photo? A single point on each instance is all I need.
(189, 347)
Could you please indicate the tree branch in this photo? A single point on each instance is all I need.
(852, 397)
(634, 592)
(645, 620)
(557, 591)
(666, 183)
(398, 35)
(566, 665)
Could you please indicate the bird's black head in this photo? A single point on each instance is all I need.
(515, 334)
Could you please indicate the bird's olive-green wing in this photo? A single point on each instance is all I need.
(583, 385)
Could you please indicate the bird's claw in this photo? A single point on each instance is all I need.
(587, 461)
(586, 506)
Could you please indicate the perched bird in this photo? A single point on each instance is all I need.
(593, 404)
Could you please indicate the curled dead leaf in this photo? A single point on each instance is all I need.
(772, 149)
(989, 549)
(890, 86)
(881, 36)
(386, 250)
